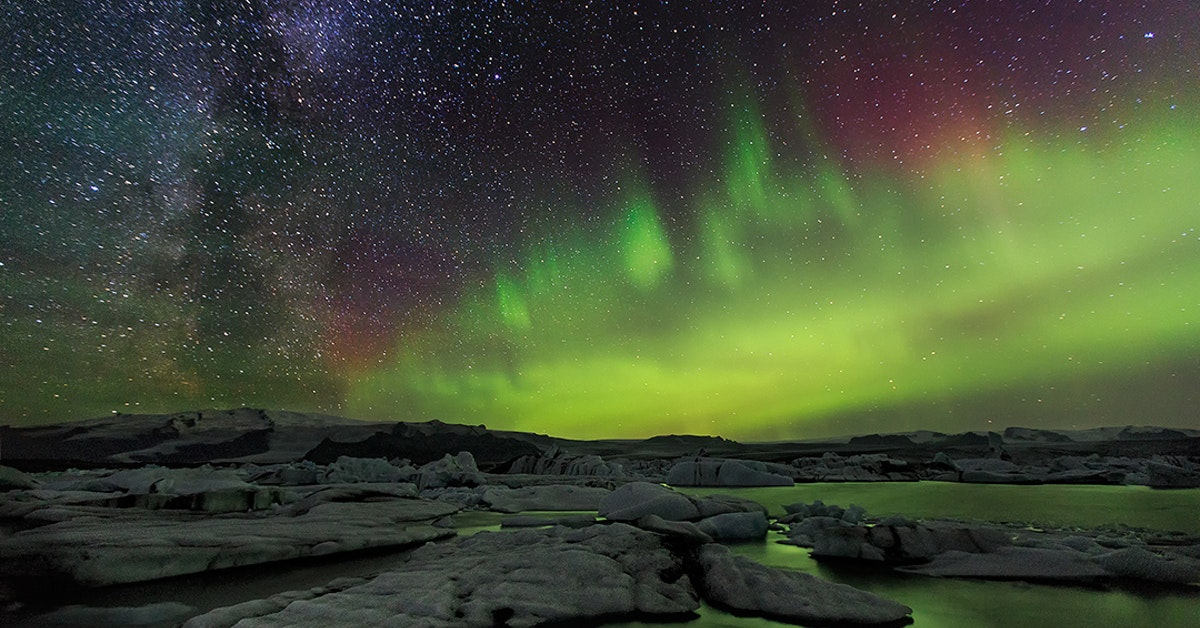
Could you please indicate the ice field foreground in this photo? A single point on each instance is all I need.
(156, 497)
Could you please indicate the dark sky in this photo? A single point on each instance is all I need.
(603, 219)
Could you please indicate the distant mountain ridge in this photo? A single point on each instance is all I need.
(252, 435)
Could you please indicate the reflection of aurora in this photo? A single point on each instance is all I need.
(1022, 285)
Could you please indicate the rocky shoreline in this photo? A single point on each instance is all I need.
(648, 551)
(948, 548)
(294, 445)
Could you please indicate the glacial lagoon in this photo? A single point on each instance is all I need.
(936, 602)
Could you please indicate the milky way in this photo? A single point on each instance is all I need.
(760, 220)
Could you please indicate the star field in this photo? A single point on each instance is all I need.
(760, 220)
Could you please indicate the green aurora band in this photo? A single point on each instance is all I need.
(1046, 279)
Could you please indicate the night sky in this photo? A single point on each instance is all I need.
(609, 219)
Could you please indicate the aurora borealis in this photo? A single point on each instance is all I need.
(758, 220)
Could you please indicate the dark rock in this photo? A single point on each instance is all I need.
(723, 472)
(202, 489)
(741, 584)
(894, 543)
(523, 578)
(1182, 474)
(554, 461)
(721, 503)
(544, 497)
(1150, 433)
(735, 526)
(12, 479)
(1082, 476)
(993, 477)
(966, 439)
(996, 447)
(1036, 435)
(536, 521)
(95, 547)
(1014, 563)
(832, 467)
(245, 444)
(638, 499)
(843, 541)
(805, 532)
(351, 470)
(682, 529)
(458, 470)
(1141, 564)
(424, 446)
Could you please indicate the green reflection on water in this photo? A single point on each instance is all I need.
(1058, 505)
(955, 603)
(958, 603)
